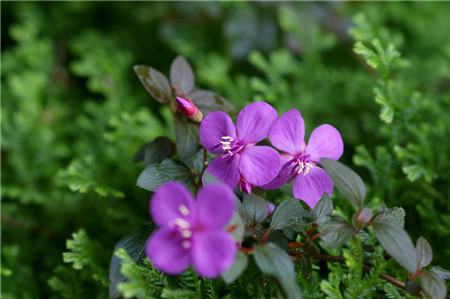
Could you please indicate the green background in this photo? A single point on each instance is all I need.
(74, 114)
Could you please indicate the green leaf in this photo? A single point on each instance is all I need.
(335, 231)
(208, 101)
(239, 265)
(323, 209)
(134, 245)
(186, 137)
(433, 286)
(396, 242)
(254, 209)
(274, 261)
(346, 180)
(289, 214)
(181, 75)
(155, 83)
(168, 170)
(424, 252)
(155, 151)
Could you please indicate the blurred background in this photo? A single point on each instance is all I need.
(74, 113)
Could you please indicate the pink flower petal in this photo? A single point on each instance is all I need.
(164, 248)
(213, 252)
(215, 126)
(259, 164)
(325, 142)
(312, 186)
(215, 206)
(288, 132)
(226, 169)
(170, 201)
(254, 121)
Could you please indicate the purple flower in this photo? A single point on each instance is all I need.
(192, 232)
(301, 159)
(238, 158)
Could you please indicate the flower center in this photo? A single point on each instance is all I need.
(231, 146)
(184, 227)
(302, 164)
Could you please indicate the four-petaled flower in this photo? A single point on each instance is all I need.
(239, 160)
(301, 159)
(192, 232)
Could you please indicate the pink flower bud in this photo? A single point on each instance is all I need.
(364, 216)
(270, 207)
(189, 109)
(245, 186)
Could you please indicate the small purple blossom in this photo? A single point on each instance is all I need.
(301, 159)
(192, 232)
(239, 161)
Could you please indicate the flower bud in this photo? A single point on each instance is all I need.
(270, 207)
(364, 216)
(189, 109)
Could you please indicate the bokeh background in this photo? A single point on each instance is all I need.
(74, 114)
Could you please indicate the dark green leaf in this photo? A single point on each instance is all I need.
(239, 265)
(134, 245)
(396, 242)
(433, 286)
(424, 252)
(274, 261)
(181, 75)
(290, 213)
(155, 151)
(157, 174)
(187, 137)
(254, 209)
(346, 180)
(335, 231)
(208, 101)
(323, 209)
(155, 83)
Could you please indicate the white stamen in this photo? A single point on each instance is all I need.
(181, 223)
(183, 210)
(304, 167)
(186, 233)
(186, 244)
(226, 143)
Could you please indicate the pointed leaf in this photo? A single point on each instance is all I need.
(239, 265)
(155, 151)
(253, 209)
(181, 75)
(346, 180)
(433, 286)
(335, 231)
(290, 213)
(208, 101)
(157, 174)
(323, 209)
(155, 83)
(274, 261)
(186, 138)
(424, 252)
(396, 242)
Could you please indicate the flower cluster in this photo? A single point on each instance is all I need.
(241, 162)
(193, 232)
